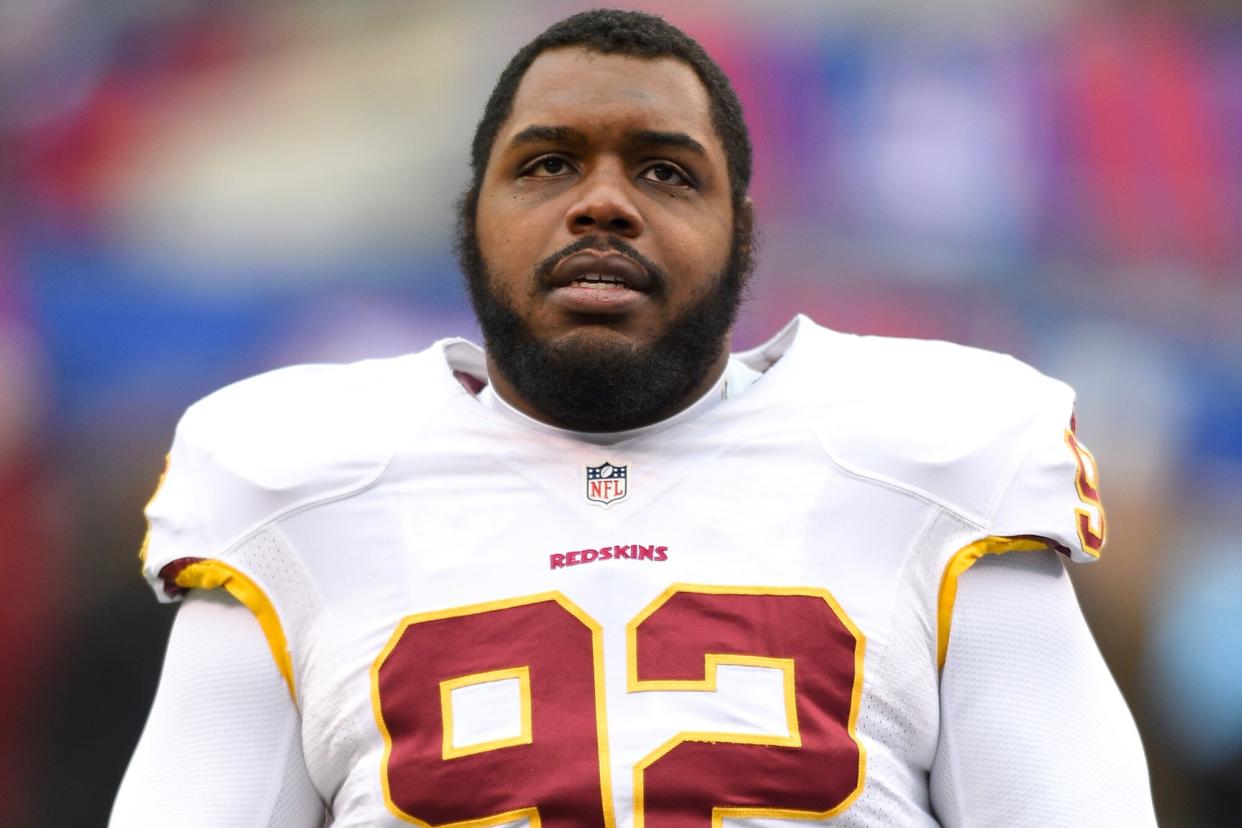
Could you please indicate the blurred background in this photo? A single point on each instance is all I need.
(193, 191)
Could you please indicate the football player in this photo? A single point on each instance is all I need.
(604, 573)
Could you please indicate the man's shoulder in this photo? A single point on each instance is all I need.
(328, 386)
(267, 446)
(945, 421)
(296, 433)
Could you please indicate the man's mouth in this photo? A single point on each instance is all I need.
(595, 282)
(600, 270)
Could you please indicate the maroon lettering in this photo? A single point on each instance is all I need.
(815, 779)
(561, 650)
(685, 784)
(629, 552)
(597, 489)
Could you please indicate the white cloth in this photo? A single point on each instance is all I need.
(222, 745)
(1033, 730)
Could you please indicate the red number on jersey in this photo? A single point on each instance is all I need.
(1091, 526)
(554, 774)
(557, 773)
(696, 779)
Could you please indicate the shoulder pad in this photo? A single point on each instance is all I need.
(980, 434)
(259, 448)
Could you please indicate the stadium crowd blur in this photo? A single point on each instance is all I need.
(192, 191)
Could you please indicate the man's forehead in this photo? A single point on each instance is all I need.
(573, 85)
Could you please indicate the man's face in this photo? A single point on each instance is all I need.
(605, 232)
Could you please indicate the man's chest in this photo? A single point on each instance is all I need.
(502, 642)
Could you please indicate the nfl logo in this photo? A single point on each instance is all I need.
(606, 483)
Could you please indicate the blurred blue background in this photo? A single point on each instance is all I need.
(194, 191)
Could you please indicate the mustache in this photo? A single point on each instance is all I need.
(659, 277)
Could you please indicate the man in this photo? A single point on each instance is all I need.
(606, 575)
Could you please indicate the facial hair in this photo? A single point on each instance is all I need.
(589, 384)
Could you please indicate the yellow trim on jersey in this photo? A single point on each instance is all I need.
(146, 537)
(711, 662)
(601, 714)
(530, 814)
(212, 574)
(522, 674)
(962, 560)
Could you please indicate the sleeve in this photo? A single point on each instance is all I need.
(202, 505)
(1048, 498)
(1054, 490)
(1034, 731)
(222, 744)
(241, 458)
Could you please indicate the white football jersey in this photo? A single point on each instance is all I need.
(740, 616)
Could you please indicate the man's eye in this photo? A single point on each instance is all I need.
(549, 165)
(666, 174)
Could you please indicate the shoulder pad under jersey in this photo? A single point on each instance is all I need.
(979, 433)
(267, 445)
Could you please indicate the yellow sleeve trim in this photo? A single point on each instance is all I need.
(963, 560)
(212, 574)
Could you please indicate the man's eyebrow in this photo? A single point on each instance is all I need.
(542, 133)
(650, 137)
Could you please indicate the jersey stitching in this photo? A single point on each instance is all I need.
(945, 735)
(955, 776)
(1011, 472)
(278, 770)
(876, 479)
(308, 629)
(908, 561)
(314, 635)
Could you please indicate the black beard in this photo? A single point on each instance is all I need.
(585, 384)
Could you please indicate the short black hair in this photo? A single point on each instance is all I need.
(633, 34)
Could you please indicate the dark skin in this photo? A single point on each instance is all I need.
(605, 146)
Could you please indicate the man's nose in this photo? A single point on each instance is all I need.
(605, 204)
